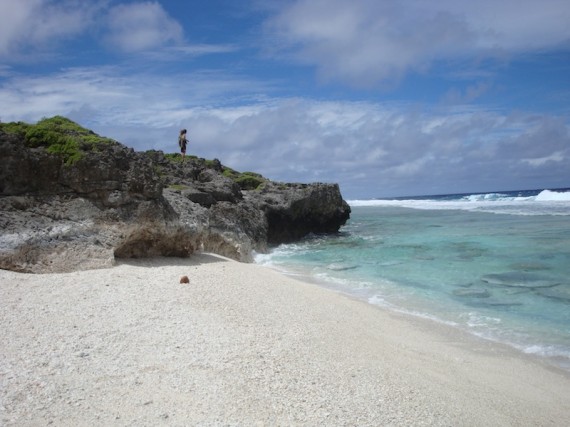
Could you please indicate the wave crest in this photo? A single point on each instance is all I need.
(553, 196)
(546, 202)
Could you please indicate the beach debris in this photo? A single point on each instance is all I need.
(520, 279)
(184, 279)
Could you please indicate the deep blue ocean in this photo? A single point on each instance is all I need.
(494, 264)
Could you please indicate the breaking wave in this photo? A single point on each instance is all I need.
(545, 202)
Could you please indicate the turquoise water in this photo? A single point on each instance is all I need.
(496, 265)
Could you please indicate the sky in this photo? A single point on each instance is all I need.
(385, 98)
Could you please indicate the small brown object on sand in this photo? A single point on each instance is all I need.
(184, 279)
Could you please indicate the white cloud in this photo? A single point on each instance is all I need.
(31, 24)
(34, 27)
(365, 42)
(13, 22)
(554, 157)
(383, 148)
(141, 26)
(369, 148)
(205, 49)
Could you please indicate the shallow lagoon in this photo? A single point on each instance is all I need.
(496, 265)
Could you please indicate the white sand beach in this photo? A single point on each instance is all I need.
(243, 345)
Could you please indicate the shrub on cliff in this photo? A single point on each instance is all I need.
(250, 181)
(177, 157)
(245, 180)
(58, 135)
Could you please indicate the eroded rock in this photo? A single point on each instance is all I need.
(112, 202)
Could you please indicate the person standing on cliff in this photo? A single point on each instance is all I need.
(182, 142)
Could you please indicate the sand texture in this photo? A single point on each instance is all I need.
(242, 345)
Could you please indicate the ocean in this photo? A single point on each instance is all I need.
(494, 264)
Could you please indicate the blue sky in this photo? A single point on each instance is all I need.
(387, 98)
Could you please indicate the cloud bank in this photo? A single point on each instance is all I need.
(370, 148)
(39, 25)
(367, 42)
(255, 122)
(33, 24)
(141, 26)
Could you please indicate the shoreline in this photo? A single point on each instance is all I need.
(243, 344)
(556, 362)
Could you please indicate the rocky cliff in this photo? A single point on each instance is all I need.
(70, 199)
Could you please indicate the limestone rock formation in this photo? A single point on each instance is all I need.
(295, 210)
(70, 199)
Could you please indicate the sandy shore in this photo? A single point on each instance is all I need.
(244, 345)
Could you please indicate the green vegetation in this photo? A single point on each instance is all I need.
(58, 135)
(177, 157)
(210, 164)
(230, 173)
(250, 181)
(178, 187)
(15, 128)
(246, 180)
(65, 138)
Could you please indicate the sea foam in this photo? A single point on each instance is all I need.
(545, 202)
(550, 196)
